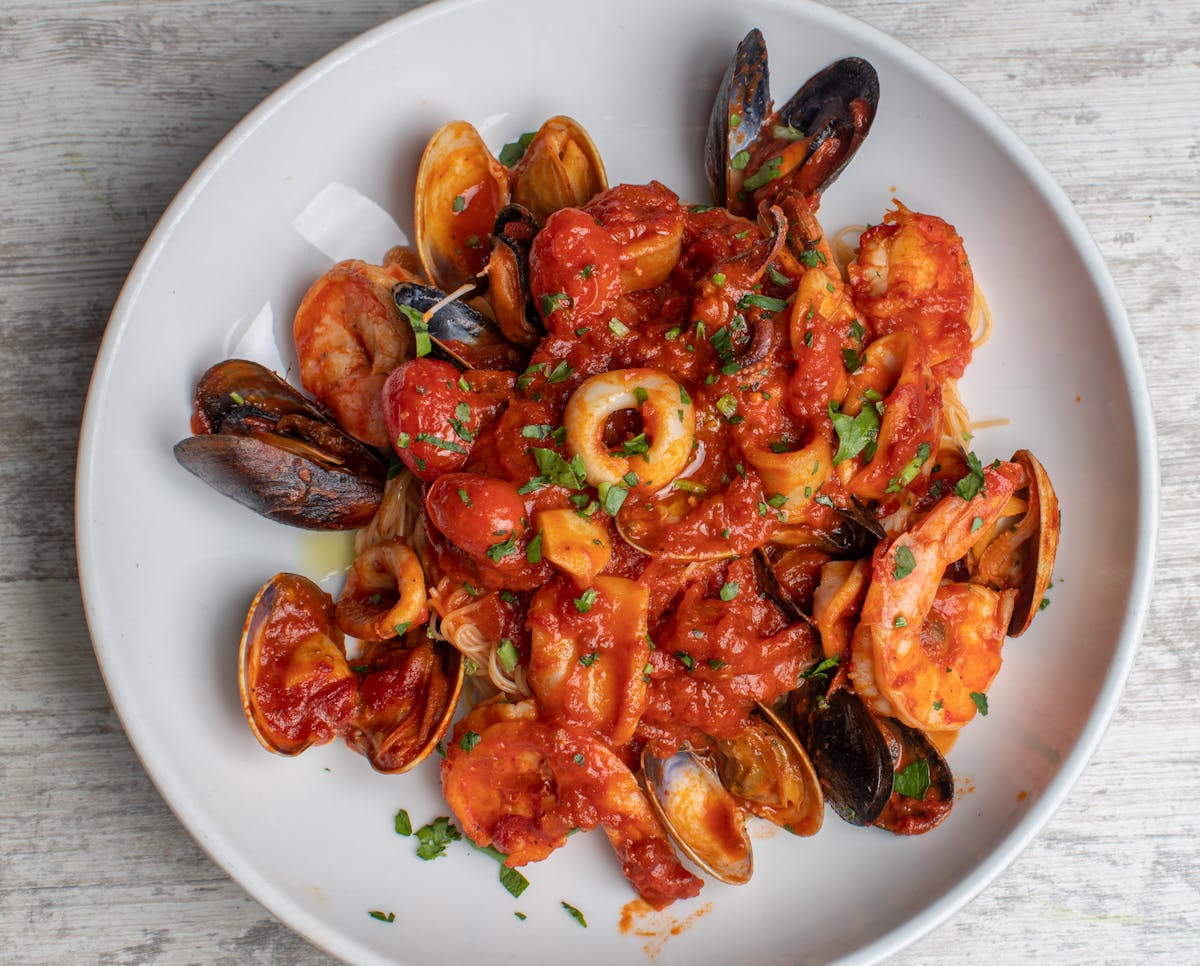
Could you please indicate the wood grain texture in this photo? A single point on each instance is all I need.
(105, 108)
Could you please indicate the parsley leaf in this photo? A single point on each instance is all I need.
(905, 562)
(971, 484)
(856, 434)
(512, 152)
(980, 702)
(913, 780)
(435, 836)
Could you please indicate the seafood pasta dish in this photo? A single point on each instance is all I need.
(667, 520)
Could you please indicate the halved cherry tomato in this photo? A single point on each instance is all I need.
(482, 516)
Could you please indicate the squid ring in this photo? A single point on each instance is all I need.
(658, 454)
(384, 592)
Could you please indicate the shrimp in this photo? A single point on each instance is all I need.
(349, 336)
(927, 676)
(912, 275)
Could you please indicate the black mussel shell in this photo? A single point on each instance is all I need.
(837, 104)
(851, 755)
(745, 93)
(460, 334)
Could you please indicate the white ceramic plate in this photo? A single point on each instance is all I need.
(324, 170)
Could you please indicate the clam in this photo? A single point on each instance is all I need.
(874, 771)
(460, 191)
(702, 818)
(1021, 556)
(269, 448)
(561, 168)
(297, 687)
(751, 153)
(392, 704)
(702, 797)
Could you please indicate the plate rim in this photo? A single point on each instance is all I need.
(341, 945)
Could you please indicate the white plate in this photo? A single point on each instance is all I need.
(168, 566)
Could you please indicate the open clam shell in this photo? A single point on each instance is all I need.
(460, 190)
(701, 816)
(561, 168)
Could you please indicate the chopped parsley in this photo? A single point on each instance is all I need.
(512, 152)
(468, 741)
(575, 914)
(739, 161)
(910, 471)
(764, 175)
(729, 590)
(686, 659)
(560, 373)
(980, 702)
(583, 603)
(505, 548)
(506, 652)
(526, 377)
(617, 327)
(766, 302)
(420, 329)
(465, 497)
(458, 204)
(612, 497)
(382, 916)
(905, 562)
(970, 485)
(403, 823)
(438, 443)
(820, 672)
(557, 470)
(435, 836)
(856, 434)
(551, 303)
(715, 663)
(587, 660)
(913, 780)
(533, 552)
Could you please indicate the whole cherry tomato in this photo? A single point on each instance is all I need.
(482, 516)
(431, 419)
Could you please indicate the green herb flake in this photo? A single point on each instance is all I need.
(465, 497)
(715, 663)
(458, 204)
(777, 276)
(506, 652)
(583, 603)
(402, 629)
(913, 780)
(612, 497)
(718, 279)
(382, 916)
(686, 660)
(403, 823)
(727, 405)
(587, 660)
(980, 700)
(468, 741)
(729, 590)
(473, 241)
(765, 302)
(588, 270)
(551, 303)
(560, 373)
(617, 327)
(851, 360)
(673, 333)
(434, 837)
(438, 443)
(634, 445)
(905, 562)
(820, 672)
(575, 914)
(856, 434)
(640, 395)
(521, 916)
(1045, 602)
(514, 882)
(739, 161)
(972, 484)
(900, 621)
(505, 548)
(578, 758)
(812, 257)
(976, 524)
(512, 152)
(764, 175)
(558, 470)
(777, 500)
(420, 329)
(526, 377)
(533, 552)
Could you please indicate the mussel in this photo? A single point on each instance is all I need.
(392, 704)
(751, 153)
(702, 795)
(265, 445)
(459, 333)
(874, 771)
(508, 276)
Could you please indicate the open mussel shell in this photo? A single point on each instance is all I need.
(1043, 544)
(561, 168)
(742, 106)
(508, 276)
(834, 110)
(850, 753)
(460, 334)
(296, 686)
(283, 479)
(460, 189)
(905, 812)
(767, 770)
(701, 816)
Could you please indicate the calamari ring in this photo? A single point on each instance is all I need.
(668, 421)
(384, 592)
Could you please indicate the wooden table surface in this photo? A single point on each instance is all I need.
(106, 107)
